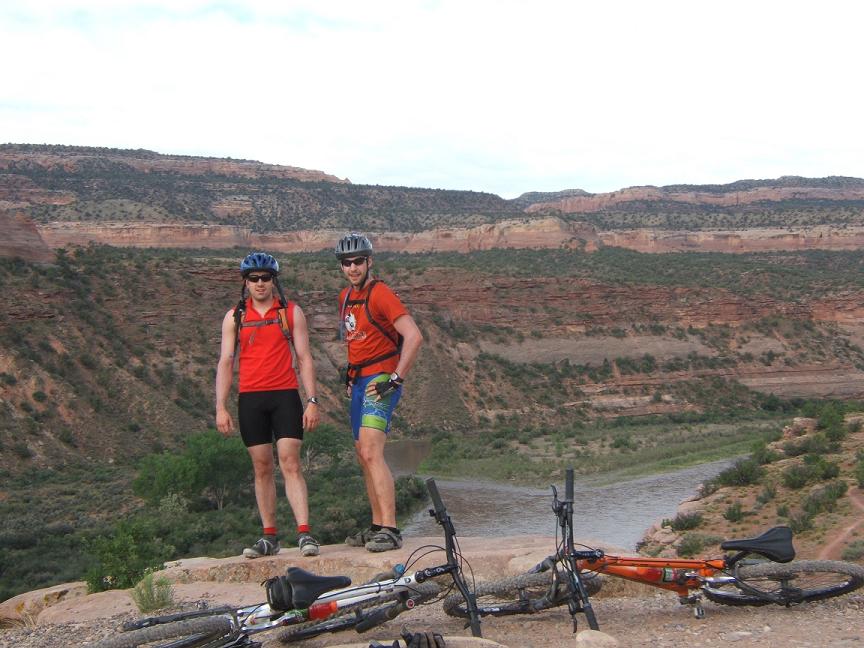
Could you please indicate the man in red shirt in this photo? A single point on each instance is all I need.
(383, 341)
(269, 405)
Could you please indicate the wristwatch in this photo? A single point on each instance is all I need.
(312, 400)
(396, 378)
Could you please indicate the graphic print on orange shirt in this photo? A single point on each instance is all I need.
(365, 341)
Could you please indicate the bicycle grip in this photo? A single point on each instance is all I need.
(377, 617)
(568, 485)
(436, 496)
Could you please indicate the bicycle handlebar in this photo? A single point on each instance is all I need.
(568, 485)
(437, 503)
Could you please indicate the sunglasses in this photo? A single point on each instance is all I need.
(266, 278)
(359, 261)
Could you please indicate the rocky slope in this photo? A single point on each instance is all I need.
(78, 195)
(744, 192)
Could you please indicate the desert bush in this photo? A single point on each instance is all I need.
(742, 473)
(855, 551)
(762, 454)
(796, 476)
(693, 543)
(769, 492)
(684, 521)
(800, 522)
(153, 593)
(825, 498)
(734, 512)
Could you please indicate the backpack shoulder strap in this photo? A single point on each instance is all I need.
(397, 341)
(239, 316)
(286, 320)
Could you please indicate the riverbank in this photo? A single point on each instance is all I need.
(605, 452)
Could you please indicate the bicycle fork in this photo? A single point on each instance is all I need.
(579, 600)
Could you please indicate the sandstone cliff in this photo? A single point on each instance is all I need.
(20, 238)
(734, 194)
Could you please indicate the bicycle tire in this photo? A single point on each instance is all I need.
(348, 616)
(523, 594)
(206, 626)
(795, 582)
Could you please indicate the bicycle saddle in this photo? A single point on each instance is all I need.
(775, 544)
(306, 586)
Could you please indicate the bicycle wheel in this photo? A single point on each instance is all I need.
(207, 627)
(383, 607)
(523, 594)
(795, 582)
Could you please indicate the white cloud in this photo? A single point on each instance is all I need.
(495, 96)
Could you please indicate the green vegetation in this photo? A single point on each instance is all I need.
(153, 593)
(611, 449)
(693, 544)
(684, 521)
(734, 512)
(855, 550)
(179, 518)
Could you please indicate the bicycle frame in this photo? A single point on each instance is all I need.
(676, 575)
(258, 618)
(685, 577)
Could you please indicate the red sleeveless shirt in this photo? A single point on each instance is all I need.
(266, 362)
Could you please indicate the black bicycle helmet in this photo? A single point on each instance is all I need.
(353, 244)
(259, 261)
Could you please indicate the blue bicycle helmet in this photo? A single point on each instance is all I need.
(259, 261)
(353, 244)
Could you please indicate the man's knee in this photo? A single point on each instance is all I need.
(289, 465)
(371, 454)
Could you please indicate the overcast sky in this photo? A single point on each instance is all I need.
(499, 96)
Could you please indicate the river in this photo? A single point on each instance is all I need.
(618, 514)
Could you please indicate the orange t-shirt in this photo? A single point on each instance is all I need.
(365, 341)
(266, 362)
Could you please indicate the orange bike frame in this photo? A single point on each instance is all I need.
(677, 575)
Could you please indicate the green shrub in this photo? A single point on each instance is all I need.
(762, 454)
(734, 513)
(855, 551)
(820, 468)
(691, 544)
(782, 510)
(121, 559)
(813, 444)
(769, 492)
(684, 521)
(742, 473)
(825, 498)
(152, 593)
(800, 522)
(796, 476)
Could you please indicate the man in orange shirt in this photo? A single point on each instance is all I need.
(263, 328)
(383, 341)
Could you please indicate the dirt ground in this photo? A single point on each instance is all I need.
(652, 620)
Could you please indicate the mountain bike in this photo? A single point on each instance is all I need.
(572, 575)
(306, 605)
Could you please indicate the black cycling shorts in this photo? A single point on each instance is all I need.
(266, 416)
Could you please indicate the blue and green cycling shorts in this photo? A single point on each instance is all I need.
(366, 411)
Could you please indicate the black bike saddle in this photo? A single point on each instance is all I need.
(306, 586)
(775, 544)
